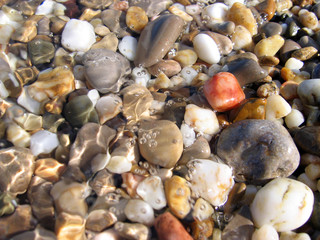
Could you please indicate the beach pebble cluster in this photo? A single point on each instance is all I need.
(160, 119)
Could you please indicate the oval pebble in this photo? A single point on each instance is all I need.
(283, 203)
(139, 211)
(128, 47)
(206, 48)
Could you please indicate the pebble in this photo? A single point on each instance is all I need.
(269, 46)
(266, 231)
(218, 97)
(132, 230)
(17, 166)
(307, 92)
(98, 61)
(253, 108)
(224, 43)
(75, 30)
(109, 41)
(169, 227)
(271, 28)
(267, 7)
(157, 42)
(7, 203)
(69, 226)
(115, 20)
(178, 194)
(306, 138)
(43, 141)
(40, 51)
(186, 58)
(108, 107)
(290, 235)
(136, 18)
(100, 219)
(215, 13)
(152, 7)
(18, 136)
(291, 203)
(199, 149)
(277, 107)
(168, 67)
(305, 53)
(206, 48)
(288, 47)
(308, 19)
(241, 38)
(139, 211)
(258, 141)
(128, 47)
(202, 210)
(205, 172)
(294, 119)
(49, 169)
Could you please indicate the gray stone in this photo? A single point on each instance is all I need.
(308, 139)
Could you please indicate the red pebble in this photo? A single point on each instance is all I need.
(223, 91)
(170, 228)
(72, 9)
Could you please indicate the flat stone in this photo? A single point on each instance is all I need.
(153, 44)
(168, 67)
(258, 150)
(40, 51)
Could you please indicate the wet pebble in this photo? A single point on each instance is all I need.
(136, 19)
(308, 92)
(139, 211)
(269, 46)
(40, 51)
(258, 142)
(305, 53)
(206, 48)
(271, 28)
(306, 138)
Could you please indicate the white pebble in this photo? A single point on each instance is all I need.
(188, 73)
(206, 48)
(119, 164)
(294, 236)
(188, 135)
(108, 107)
(14, 20)
(151, 191)
(5, 33)
(139, 211)
(217, 13)
(277, 107)
(294, 119)
(128, 47)
(43, 141)
(45, 8)
(293, 63)
(265, 232)
(201, 119)
(78, 36)
(284, 203)
(193, 9)
(210, 180)
(27, 102)
(141, 76)
(94, 96)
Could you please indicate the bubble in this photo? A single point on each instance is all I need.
(146, 165)
(180, 192)
(142, 140)
(143, 210)
(152, 143)
(202, 207)
(158, 201)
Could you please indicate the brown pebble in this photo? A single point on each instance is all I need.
(268, 7)
(168, 67)
(305, 53)
(169, 228)
(136, 19)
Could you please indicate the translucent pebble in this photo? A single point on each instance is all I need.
(294, 119)
(294, 236)
(201, 119)
(93, 96)
(141, 76)
(119, 164)
(128, 47)
(202, 210)
(265, 232)
(73, 31)
(18, 136)
(206, 48)
(188, 73)
(27, 102)
(43, 141)
(217, 12)
(151, 190)
(45, 8)
(277, 107)
(6, 19)
(284, 203)
(188, 135)
(139, 211)
(293, 63)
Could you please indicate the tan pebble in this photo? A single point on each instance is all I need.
(162, 81)
(55, 106)
(57, 25)
(18, 136)
(88, 14)
(186, 57)
(132, 230)
(283, 5)
(136, 18)
(70, 227)
(268, 7)
(184, 2)
(308, 158)
(168, 67)
(110, 41)
(56, 82)
(290, 235)
(312, 184)
(103, 183)
(100, 219)
(313, 171)
(305, 53)
(268, 89)
(132, 180)
(202, 229)
(25, 33)
(49, 169)
(308, 19)
(120, 5)
(199, 80)
(242, 39)
(269, 46)
(241, 15)
(223, 42)
(176, 11)
(296, 76)
(202, 210)
(288, 90)
(268, 61)
(63, 58)
(277, 107)
(101, 30)
(178, 194)
(251, 109)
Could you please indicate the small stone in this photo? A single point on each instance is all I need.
(16, 167)
(291, 201)
(266, 231)
(152, 7)
(290, 235)
(115, 20)
(215, 13)
(25, 33)
(49, 169)
(75, 30)
(132, 230)
(287, 49)
(202, 210)
(307, 41)
(40, 51)
(205, 172)
(99, 61)
(269, 46)
(271, 28)
(268, 89)
(199, 149)
(154, 45)
(132, 180)
(258, 142)
(108, 107)
(136, 18)
(308, 19)
(253, 108)
(241, 15)
(18, 136)
(52, 83)
(224, 43)
(128, 47)
(100, 219)
(218, 97)
(206, 48)
(294, 119)
(267, 7)
(186, 57)
(96, 4)
(110, 41)
(168, 227)
(306, 138)
(178, 194)
(269, 61)
(139, 211)
(160, 142)
(23, 216)
(43, 141)
(169, 67)
(305, 53)
(202, 229)
(151, 191)
(202, 120)
(241, 38)
(308, 92)
(7, 204)
(69, 226)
